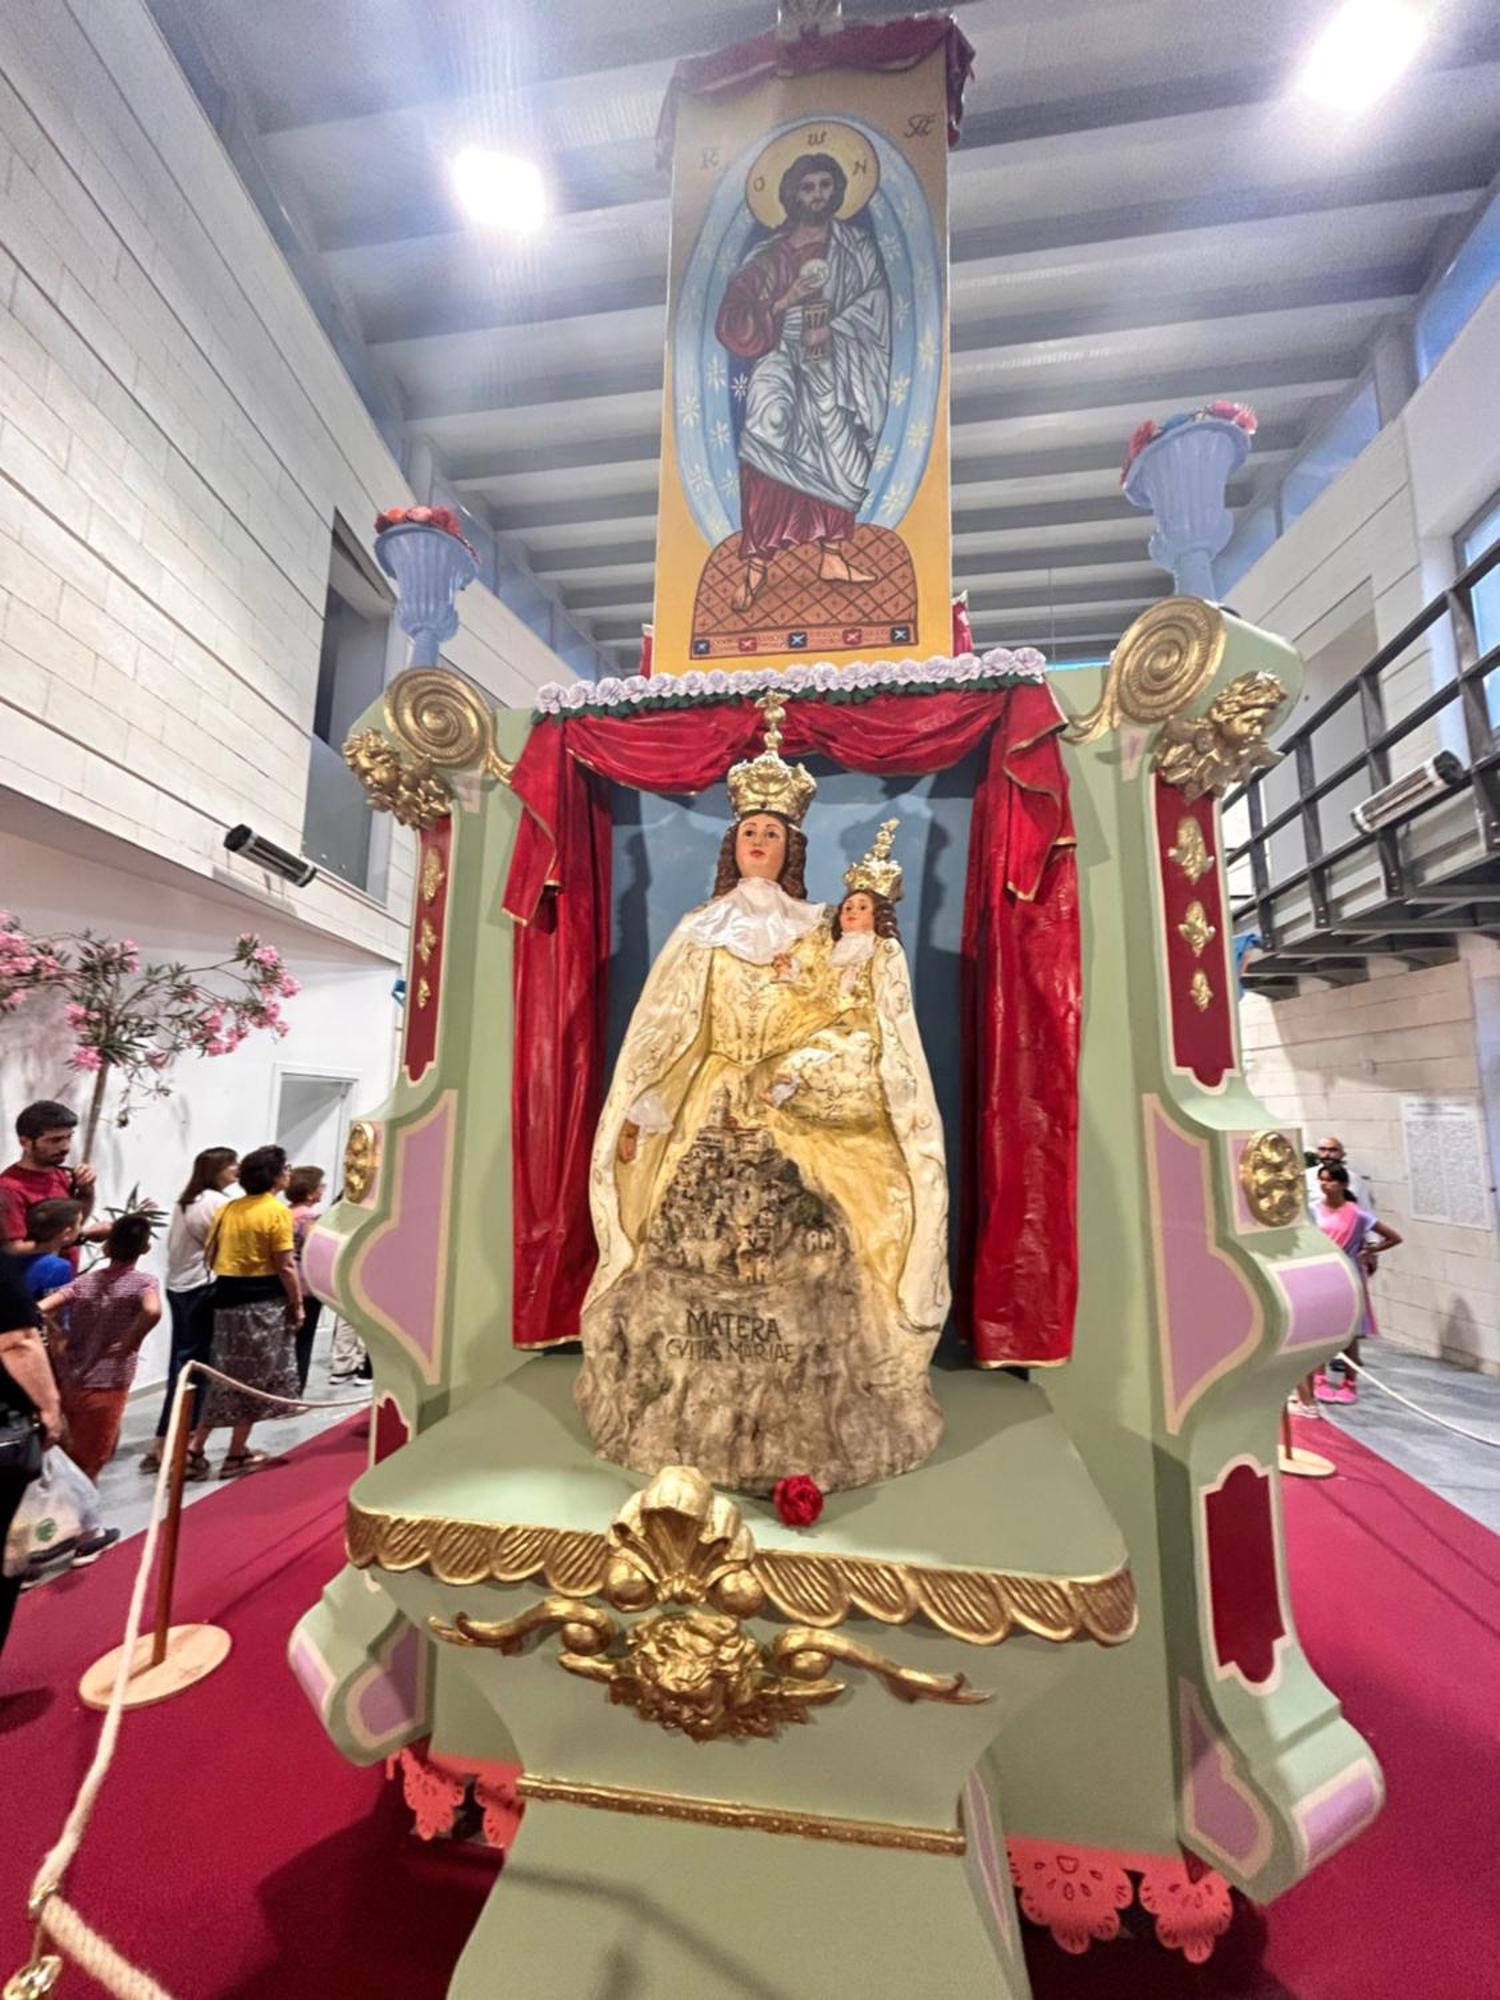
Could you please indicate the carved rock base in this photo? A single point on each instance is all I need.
(751, 1382)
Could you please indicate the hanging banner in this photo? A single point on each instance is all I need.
(804, 510)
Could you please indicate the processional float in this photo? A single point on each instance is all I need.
(689, 1078)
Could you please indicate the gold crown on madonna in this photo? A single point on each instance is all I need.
(876, 872)
(767, 783)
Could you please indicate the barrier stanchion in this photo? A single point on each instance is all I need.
(173, 1657)
(55, 1920)
(1296, 1463)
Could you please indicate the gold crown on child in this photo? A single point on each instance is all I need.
(768, 783)
(876, 872)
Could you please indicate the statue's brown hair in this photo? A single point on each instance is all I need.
(885, 913)
(793, 876)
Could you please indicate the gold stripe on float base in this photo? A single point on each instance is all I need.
(979, 1607)
(749, 1819)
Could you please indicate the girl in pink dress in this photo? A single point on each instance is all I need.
(1362, 1239)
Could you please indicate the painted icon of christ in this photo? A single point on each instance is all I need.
(810, 309)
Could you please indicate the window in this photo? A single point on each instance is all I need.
(1481, 534)
(1330, 452)
(351, 673)
(1459, 292)
(1253, 535)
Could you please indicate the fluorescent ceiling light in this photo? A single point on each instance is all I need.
(1361, 52)
(499, 191)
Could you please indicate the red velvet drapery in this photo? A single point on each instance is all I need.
(1017, 1263)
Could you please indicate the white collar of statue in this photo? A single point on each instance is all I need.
(853, 948)
(756, 921)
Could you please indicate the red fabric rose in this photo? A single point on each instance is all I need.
(1143, 434)
(798, 1500)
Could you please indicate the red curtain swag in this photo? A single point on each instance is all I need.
(1020, 988)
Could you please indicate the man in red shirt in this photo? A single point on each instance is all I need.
(45, 1131)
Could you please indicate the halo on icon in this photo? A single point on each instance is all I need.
(853, 151)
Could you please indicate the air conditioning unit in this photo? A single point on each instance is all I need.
(1428, 781)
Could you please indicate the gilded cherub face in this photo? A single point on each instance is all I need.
(760, 847)
(857, 913)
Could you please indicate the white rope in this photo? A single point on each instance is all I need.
(286, 1402)
(62, 1922)
(56, 1917)
(1385, 1389)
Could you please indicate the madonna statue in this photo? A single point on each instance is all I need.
(768, 1185)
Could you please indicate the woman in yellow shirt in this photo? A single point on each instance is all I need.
(257, 1306)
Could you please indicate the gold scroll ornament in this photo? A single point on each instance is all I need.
(440, 724)
(1165, 661)
(1272, 1176)
(695, 1670)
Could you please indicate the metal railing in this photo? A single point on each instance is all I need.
(1418, 906)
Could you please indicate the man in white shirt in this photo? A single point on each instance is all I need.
(1331, 1154)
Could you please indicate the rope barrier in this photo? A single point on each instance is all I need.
(53, 1916)
(1385, 1389)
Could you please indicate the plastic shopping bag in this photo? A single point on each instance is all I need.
(59, 1509)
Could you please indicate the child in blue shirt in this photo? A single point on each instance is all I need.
(53, 1227)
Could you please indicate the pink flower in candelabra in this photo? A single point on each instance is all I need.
(85, 1058)
(75, 1014)
(1236, 413)
(290, 987)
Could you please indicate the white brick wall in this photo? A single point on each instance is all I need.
(1339, 1061)
(176, 436)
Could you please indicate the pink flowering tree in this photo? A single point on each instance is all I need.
(131, 1021)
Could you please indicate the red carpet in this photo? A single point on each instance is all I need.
(236, 1857)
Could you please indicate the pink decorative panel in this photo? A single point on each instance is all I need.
(1207, 1314)
(1221, 1816)
(401, 1277)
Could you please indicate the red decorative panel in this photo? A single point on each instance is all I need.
(390, 1429)
(1239, 1530)
(424, 979)
(1196, 935)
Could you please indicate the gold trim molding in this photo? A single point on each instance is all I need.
(756, 1819)
(978, 1607)
(696, 1670)
(1163, 662)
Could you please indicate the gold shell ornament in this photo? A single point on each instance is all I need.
(1164, 661)
(361, 1154)
(1272, 1175)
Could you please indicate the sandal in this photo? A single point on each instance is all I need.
(197, 1466)
(239, 1463)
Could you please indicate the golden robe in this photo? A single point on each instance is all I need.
(772, 1270)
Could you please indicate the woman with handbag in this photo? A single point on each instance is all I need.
(30, 1411)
